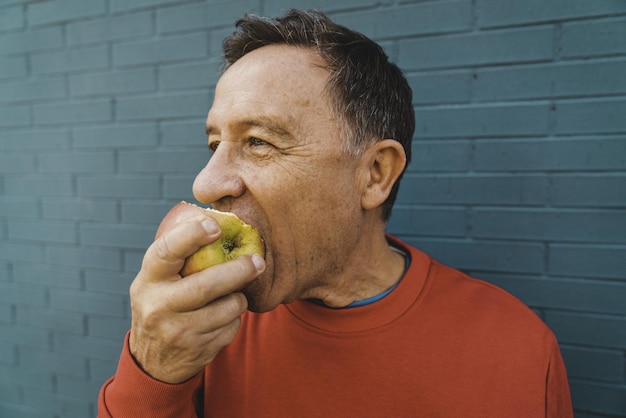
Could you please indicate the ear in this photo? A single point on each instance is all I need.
(385, 161)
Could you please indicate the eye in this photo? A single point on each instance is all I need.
(213, 145)
(256, 142)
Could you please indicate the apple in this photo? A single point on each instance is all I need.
(237, 238)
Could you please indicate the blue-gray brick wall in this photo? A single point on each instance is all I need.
(518, 175)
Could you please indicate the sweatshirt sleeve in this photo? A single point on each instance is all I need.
(558, 398)
(132, 393)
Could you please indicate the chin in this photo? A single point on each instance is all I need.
(259, 297)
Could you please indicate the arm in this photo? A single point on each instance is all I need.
(178, 325)
(132, 393)
(558, 398)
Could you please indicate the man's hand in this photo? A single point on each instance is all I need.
(180, 324)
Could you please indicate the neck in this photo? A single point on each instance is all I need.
(371, 269)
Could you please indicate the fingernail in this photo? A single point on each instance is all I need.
(210, 226)
(258, 262)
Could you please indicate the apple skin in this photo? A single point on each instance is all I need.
(237, 238)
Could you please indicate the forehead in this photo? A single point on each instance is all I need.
(272, 80)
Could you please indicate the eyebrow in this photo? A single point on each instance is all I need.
(266, 123)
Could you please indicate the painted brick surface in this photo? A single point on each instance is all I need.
(518, 173)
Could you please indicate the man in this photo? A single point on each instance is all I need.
(310, 130)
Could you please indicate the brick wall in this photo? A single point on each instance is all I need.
(518, 176)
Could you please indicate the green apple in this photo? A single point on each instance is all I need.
(237, 238)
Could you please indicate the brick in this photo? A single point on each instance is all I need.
(22, 295)
(191, 161)
(552, 80)
(64, 10)
(70, 256)
(77, 162)
(123, 82)
(588, 190)
(34, 378)
(9, 393)
(443, 222)
(49, 361)
(200, 16)
(178, 187)
(17, 163)
(25, 335)
(111, 28)
(19, 207)
(126, 5)
(117, 283)
(556, 154)
(31, 41)
(599, 397)
(35, 140)
(13, 67)
(594, 364)
(593, 38)
(34, 185)
(50, 319)
(48, 276)
(7, 354)
(21, 252)
(278, 7)
(572, 295)
(46, 231)
(133, 260)
(14, 116)
(119, 187)
(503, 256)
(116, 236)
(550, 224)
(587, 261)
(202, 75)
(494, 47)
(410, 20)
(482, 120)
(100, 348)
(187, 132)
(73, 113)
(169, 49)
(464, 189)
(79, 209)
(172, 106)
(80, 388)
(115, 136)
(108, 327)
(510, 12)
(149, 213)
(88, 303)
(72, 60)
(588, 329)
(585, 116)
(101, 370)
(16, 410)
(11, 18)
(439, 88)
(62, 406)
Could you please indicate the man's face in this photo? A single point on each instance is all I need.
(278, 164)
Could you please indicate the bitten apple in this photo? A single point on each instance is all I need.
(237, 238)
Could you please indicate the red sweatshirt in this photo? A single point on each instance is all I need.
(441, 344)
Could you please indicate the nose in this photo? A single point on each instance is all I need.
(220, 178)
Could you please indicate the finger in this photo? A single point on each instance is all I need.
(213, 316)
(199, 289)
(166, 256)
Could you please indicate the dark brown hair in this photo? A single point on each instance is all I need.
(369, 95)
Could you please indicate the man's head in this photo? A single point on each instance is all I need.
(280, 162)
(369, 95)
